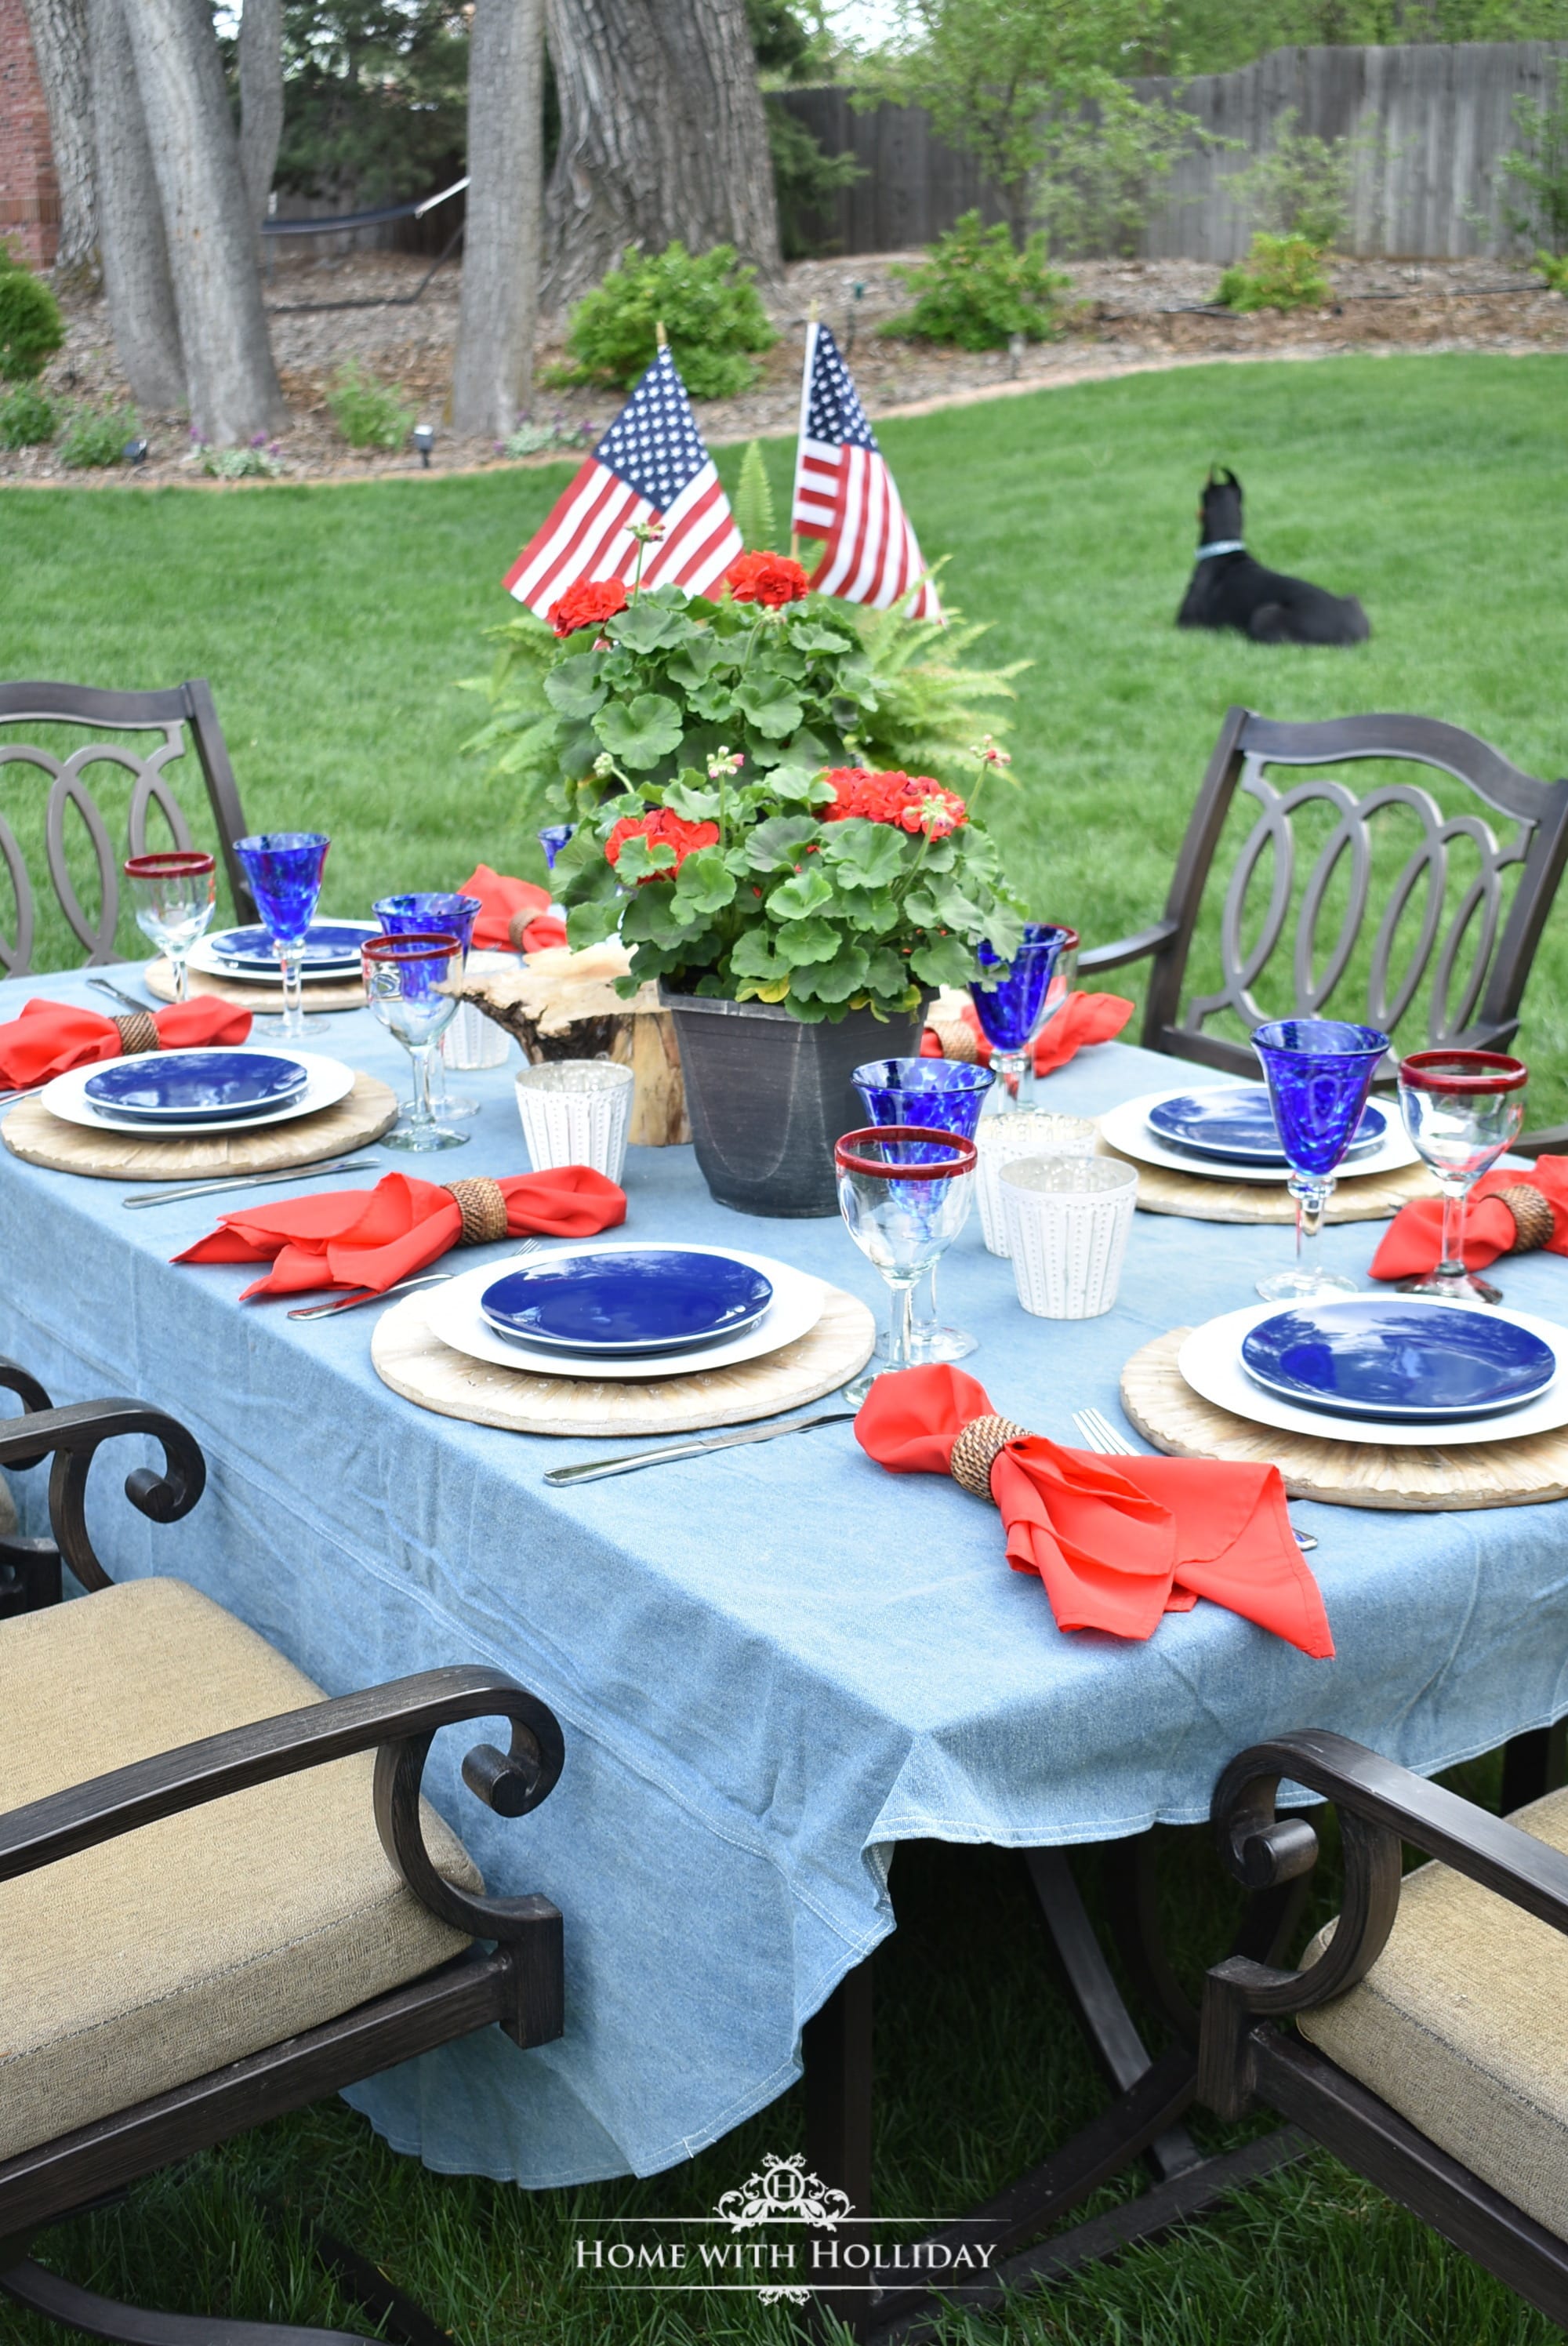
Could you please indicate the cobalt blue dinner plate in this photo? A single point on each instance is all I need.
(1398, 1356)
(329, 944)
(190, 1086)
(1237, 1124)
(647, 1300)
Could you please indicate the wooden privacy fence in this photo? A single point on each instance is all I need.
(1431, 121)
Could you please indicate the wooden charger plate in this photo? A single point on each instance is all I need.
(1167, 1411)
(416, 1364)
(1357, 1198)
(267, 1001)
(363, 1115)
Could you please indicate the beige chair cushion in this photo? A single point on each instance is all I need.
(142, 1964)
(1461, 2025)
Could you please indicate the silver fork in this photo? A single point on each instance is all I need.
(1099, 1434)
(379, 1294)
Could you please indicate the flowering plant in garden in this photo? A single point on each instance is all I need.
(825, 889)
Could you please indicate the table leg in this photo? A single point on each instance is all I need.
(836, 2045)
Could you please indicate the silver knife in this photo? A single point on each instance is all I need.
(252, 1180)
(103, 986)
(595, 1467)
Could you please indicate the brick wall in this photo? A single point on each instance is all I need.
(29, 197)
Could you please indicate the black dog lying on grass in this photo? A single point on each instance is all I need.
(1229, 590)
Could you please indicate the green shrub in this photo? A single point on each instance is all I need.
(539, 439)
(31, 326)
(708, 304)
(1554, 268)
(1303, 186)
(368, 414)
(96, 436)
(261, 460)
(974, 289)
(26, 418)
(1280, 272)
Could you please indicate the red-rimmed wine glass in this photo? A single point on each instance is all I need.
(1463, 1109)
(411, 985)
(172, 896)
(904, 1191)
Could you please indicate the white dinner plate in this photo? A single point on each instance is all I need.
(453, 1316)
(330, 1081)
(203, 957)
(1210, 1360)
(1126, 1128)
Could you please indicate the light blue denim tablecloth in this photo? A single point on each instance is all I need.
(770, 1663)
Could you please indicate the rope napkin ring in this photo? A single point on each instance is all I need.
(483, 1205)
(139, 1032)
(977, 1449)
(1530, 1215)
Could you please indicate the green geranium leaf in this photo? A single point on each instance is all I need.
(642, 859)
(577, 687)
(705, 882)
(591, 923)
(775, 845)
(649, 625)
(642, 732)
(657, 916)
(942, 961)
(770, 705)
(835, 980)
(755, 958)
(714, 700)
(865, 854)
(873, 911)
(697, 804)
(809, 891)
(696, 660)
(887, 974)
(800, 942)
(811, 635)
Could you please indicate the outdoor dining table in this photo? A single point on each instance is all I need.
(772, 1664)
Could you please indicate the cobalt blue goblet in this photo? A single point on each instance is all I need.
(1319, 1072)
(551, 838)
(946, 1095)
(1027, 991)
(284, 868)
(405, 916)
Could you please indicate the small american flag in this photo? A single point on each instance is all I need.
(845, 493)
(650, 467)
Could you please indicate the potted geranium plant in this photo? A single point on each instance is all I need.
(797, 892)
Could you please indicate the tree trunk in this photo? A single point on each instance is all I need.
(59, 33)
(136, 282)
(261, 100)
(662, 135)
(492, 376)
(233, 385)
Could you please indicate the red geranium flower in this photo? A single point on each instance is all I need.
(588, 605)
(769, 578)
(911, 802)
(661, 828)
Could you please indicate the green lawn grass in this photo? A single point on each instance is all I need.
(331, 623)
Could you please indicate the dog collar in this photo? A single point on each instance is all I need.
(1220, 546)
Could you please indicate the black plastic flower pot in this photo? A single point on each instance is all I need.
(768, 1095)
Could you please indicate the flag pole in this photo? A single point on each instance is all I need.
(806, 378)
(660, 337)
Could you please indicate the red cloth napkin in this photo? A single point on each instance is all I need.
(1412, 1243)
(1116, 1541)
(1082, 1018)
(517, 916)
(373, 1237)
(51, 1036)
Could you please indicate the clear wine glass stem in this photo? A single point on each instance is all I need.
(901, 1328)
(291, 960)
(1311, 1194)
(181, 977)
(1455, 1193)
(421, 1112)
(1010, 1068)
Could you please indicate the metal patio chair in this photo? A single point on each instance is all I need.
(216, 1906)
(183, 709)
(1431, 2053)
(1478, 954)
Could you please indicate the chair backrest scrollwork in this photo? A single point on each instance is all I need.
(1447, 921)
(168, 715)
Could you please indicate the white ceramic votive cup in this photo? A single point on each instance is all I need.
(1068, 1219)
(577, 1112)
(1027, 1132)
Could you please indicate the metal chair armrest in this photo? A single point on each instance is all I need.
(397, 1720)
(72, 1437)
(1551, 1137)
(1126, 949)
